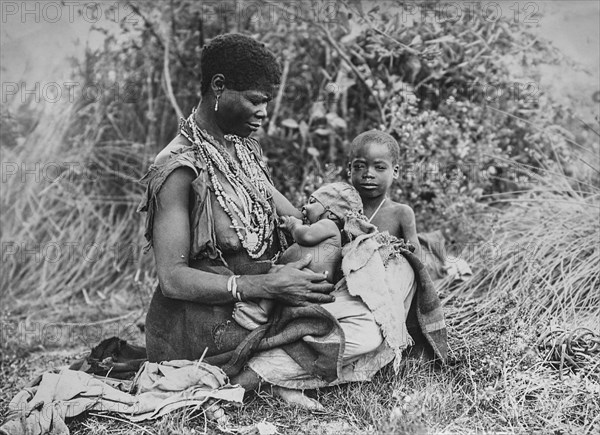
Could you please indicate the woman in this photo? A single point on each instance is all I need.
(212, 221)
(212, 214)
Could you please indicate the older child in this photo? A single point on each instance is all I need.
(331, 210)
(373, 167)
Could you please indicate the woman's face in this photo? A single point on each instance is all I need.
(242, 112)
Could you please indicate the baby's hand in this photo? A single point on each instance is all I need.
(289, 222)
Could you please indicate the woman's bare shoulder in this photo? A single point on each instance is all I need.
(178, 143)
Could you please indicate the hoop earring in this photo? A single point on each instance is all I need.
(217, 103)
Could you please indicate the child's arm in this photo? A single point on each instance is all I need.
(406, 217)
(309, 235)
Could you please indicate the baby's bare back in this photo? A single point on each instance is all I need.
(326, 256)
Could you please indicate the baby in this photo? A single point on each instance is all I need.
(330, 211)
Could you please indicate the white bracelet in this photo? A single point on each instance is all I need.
(229, 284)
(232, 287)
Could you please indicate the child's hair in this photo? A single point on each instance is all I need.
(379, 137)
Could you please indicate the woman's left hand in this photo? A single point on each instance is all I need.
(295, 284)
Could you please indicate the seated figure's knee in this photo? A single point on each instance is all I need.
(362, 340)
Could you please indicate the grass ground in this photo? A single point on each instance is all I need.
(497, 382)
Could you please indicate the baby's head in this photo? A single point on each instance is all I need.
(332, 201)
(374, 162)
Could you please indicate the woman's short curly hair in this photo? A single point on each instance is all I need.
(245, 63)
(379, 137)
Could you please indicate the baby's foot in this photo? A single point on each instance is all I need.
(297, 397)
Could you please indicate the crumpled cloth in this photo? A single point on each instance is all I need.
(425, 322)
(156, 390)
(310, 335)
(371, 264)
(372, 269)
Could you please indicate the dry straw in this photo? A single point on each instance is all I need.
(70, 234)
(539, 268)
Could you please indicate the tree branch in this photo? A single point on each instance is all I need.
(346, 59)
(284, 76)
(167, 78)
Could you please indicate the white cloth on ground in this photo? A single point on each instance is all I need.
(159, 389)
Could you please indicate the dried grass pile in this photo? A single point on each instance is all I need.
(543, 255)
(71, 236)
(526, 327)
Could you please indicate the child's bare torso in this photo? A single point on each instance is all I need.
(387, 220)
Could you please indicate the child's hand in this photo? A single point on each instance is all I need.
(289, 222)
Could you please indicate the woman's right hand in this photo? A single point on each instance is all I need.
(293, 284)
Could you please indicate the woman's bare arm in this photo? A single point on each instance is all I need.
(283, 206)
(171, 242)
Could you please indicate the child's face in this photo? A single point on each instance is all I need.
(313, 210)
(372, 171)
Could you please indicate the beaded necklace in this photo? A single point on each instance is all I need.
(248, 182)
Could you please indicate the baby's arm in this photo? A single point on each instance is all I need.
(406, 217)
(309, 235)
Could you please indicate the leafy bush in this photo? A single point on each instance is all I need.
(345, 72)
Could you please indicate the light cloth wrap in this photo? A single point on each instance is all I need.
(373, 271)
(160, 389)
(379, 275)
